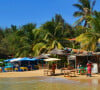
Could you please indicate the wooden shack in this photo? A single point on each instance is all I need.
(83, 59)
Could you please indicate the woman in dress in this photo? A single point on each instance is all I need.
(89, 66)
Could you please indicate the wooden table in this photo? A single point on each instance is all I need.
(70, 73)
(48, 72)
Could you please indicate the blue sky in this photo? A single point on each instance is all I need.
(20, 12)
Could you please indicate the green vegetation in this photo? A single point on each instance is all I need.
(28, 40)
(85, 10)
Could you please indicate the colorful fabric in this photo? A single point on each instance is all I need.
(89, 65)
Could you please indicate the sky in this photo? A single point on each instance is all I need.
(20, 12)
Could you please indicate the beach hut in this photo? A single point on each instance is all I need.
(84, 58)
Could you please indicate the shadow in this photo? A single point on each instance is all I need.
(63, 75)
(93, 76)
(58, 74)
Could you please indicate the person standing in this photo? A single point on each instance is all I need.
(53, 68)
(89, 66)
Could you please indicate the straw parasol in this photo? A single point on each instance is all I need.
(57, 51)
(43, 56)
(52, 59)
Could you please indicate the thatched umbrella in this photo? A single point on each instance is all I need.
(44, 56)
(52, 59)
(57, 52)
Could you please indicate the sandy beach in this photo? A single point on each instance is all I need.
(41, 73)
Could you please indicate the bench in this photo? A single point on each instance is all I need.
(48, 72)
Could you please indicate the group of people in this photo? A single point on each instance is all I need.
(88, 68)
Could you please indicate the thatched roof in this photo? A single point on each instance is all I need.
(57, 51)
(43, 56)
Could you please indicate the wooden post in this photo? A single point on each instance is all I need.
(98, 63)
(56, 64)
(75, 63)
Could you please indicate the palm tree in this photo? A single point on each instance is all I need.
(47, 38)
(25, 38)
(18, 41)
(50, 35)
(95, 22)
(85, 9)
(90, 39)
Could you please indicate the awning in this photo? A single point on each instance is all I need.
(23, 59)
(28, 59)
(15, 60)
(7, 60)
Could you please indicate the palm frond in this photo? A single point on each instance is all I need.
(88, 40)
(78, 14)
(59, 45)
(38, 47)
(79, 21)
(78, 6)
(85, 3)
(93, 4)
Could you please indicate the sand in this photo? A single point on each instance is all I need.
(21, 74)
(41, 73)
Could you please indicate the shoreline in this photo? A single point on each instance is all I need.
(40, 73)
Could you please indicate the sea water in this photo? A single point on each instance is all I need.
(47, 83)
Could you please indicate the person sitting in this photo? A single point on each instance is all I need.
(81, 70)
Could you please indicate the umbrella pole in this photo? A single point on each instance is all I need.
(46, 65)
(19, 65)
(30, 65)
(56, 64)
